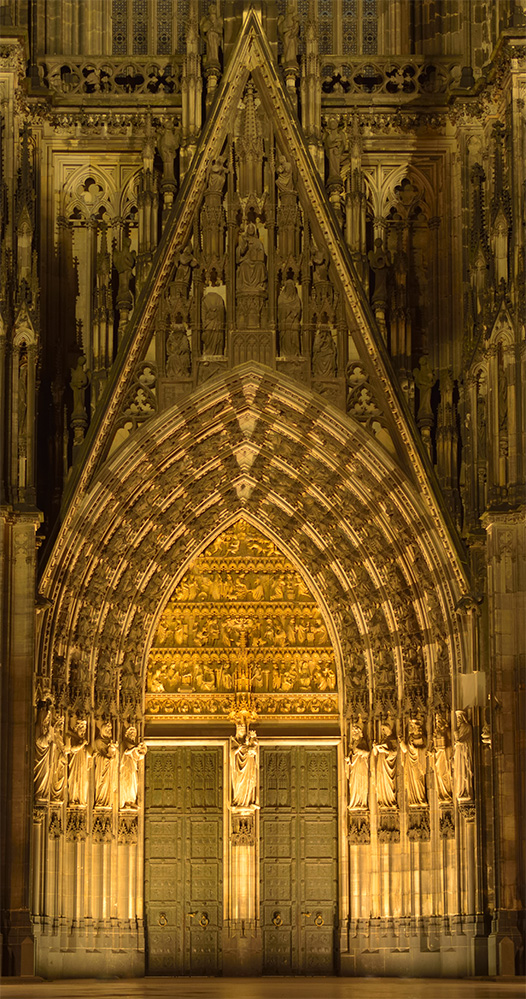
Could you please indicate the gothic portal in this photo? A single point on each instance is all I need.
(263, 534)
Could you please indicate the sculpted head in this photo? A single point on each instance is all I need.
(106, 730)
(131, 733)
(81, 727)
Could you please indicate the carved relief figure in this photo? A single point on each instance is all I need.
(289, 312)
(43, 747)
(289, 27)
(244, 769)
(386, 753)
(284, 179)
(213, 320)
(357, 768)
(211, 27)
(216, 176)
(131, 753)
(104, 756)
(178, 357)
(79, 761)
(441, 756)
(414, 759)
(463, 757)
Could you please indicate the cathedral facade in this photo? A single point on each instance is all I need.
(263, 542)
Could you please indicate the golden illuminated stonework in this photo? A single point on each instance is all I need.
(241, 632)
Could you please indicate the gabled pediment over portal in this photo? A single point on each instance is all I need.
(252, 268)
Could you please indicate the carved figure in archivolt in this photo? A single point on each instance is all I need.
(178, 357)
(289, 313)
(104, 754)
(131, 753)
(442, 757)
(43, 748)
(59, 762)
(386, 755)
(357, 767)
(245, 754)
(289, 28)
(463, 757)
(414, 758)
(79, 761)
(213, 322)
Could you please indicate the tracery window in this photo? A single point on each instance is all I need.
(140, 27)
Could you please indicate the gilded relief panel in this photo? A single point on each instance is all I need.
(241, 631)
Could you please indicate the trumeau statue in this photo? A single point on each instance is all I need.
(79, 761)
(104, 759)
(244, 758)
(131, 753)
(357, 768)
(414, 759)
(463, 757)
(386, 753)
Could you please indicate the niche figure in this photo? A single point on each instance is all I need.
(323, 353)
(213, 320)
(211, 27)
(124, 262)
(251, 273)
(178, 356)
(289, 28)
(289, 313)
(380, 263)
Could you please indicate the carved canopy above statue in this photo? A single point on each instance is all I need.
(241, 623)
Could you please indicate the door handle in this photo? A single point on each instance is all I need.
(318, 919)
(307, 914)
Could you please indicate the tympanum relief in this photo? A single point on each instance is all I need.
(241, 607)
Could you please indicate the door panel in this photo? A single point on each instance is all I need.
(183, 860)
(299, 850)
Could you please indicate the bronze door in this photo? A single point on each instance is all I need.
(299, 859)
(184, 860)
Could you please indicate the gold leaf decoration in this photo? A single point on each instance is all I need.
(241, 624)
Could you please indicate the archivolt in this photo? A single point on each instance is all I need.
(255, 445)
